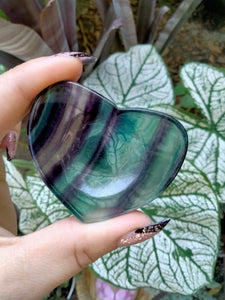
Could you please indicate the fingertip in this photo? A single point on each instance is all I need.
(109, 233)
(131, 220)
(72, 66)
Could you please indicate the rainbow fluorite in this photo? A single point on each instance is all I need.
(99, 160)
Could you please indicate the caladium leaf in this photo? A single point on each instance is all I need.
(137, 78)
(180, 259)
(206, 85)
(26, 12)
(37, 205)
(21, 41)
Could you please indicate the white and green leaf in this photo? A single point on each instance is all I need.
(137, 78)
(206, 85)
(37, 205)
(180, 259)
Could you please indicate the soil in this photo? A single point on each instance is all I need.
(202, 39)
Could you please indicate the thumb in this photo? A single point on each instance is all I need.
(49, 257)
(20, 85)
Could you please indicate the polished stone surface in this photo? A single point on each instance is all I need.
(101, 161)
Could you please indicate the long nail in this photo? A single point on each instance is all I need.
(142, 234)
(85, 58)
(11, 140)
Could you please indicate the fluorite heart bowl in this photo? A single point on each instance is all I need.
(99, 160)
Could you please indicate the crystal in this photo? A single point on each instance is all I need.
(102, 161)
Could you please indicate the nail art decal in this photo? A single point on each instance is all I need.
(85, 58)
(143, 234)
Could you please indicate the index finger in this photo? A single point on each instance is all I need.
(20, 85)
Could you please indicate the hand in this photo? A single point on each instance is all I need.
(33, 265)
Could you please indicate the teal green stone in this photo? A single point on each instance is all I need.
(99, 160)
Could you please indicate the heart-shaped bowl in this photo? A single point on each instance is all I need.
(99, 160)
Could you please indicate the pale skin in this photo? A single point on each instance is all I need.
(31, 266)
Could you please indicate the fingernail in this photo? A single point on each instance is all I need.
(85, 58)
(11, 140)
(142, 234)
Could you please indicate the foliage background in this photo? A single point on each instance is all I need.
(205, 46)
